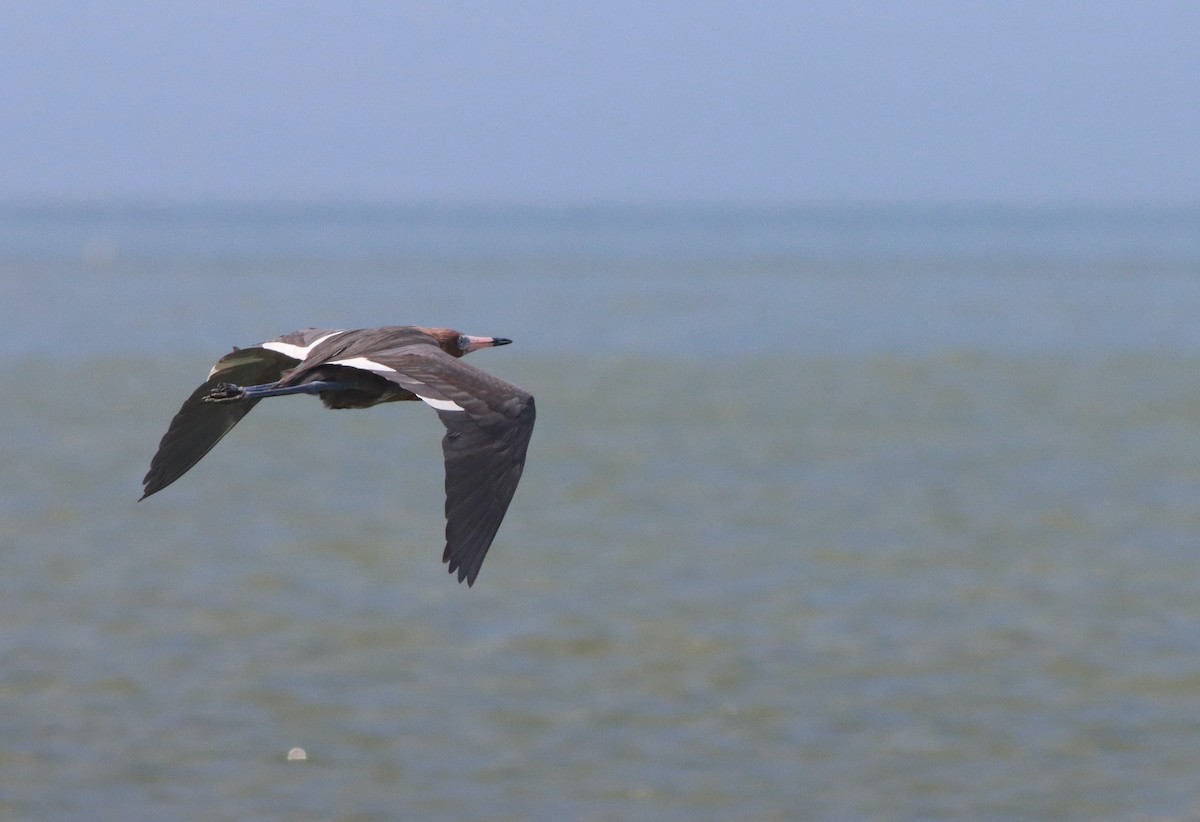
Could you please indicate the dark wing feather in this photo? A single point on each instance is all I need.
(487, 436)
(483, 466)
(200, 425)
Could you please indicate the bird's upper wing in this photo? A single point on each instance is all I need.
(488, 425)
(200, 425)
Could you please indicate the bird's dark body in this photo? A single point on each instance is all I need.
(488, 421)
(368, 389)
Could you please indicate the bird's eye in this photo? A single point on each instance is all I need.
(464, 343)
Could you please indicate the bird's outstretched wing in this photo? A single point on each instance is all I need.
(200, 425)
(488, 425)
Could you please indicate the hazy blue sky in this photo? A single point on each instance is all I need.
(614, 101)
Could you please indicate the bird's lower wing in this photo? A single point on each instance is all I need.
(483, 466)
(488, 426)
(200, 425)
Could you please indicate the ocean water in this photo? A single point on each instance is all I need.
(829, 515)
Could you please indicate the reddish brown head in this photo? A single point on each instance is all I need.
(456, 344)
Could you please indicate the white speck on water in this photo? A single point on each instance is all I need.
(297, 755)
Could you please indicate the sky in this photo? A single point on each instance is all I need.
(578, 103)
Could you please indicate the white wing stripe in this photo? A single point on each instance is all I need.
(299, 352)
(442, 405)
(364, 364)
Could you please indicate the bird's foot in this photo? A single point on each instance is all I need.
(225, 392)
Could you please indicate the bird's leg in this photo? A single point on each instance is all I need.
(228, 392)
(225, 392)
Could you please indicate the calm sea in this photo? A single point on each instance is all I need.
(829, 515)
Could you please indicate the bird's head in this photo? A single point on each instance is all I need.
(457, 344)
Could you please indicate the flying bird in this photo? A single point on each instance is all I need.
(488, 421)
